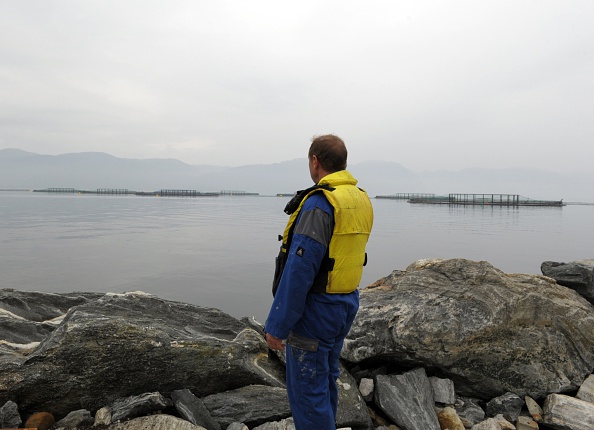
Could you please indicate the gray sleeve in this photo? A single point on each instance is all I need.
(317, 225)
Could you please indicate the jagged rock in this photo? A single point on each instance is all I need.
(443, 390)
(488, 424)
(577, 275)
(407, 399)
(9, 415)
(534, 409)
(503, 423)
(193, 410)
(488, 331)
(74, 419)
(156, 422)
(253, 405)
(526, 423)
(127, 344)
(449, 419)
(509, 405)
(136, 406)
(469, 411)
(351, 411)
(567, 413)
(586, 391)
(102, 416)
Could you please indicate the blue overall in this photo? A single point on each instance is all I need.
(315, 324)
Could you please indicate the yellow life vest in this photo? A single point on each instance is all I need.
(342, 269)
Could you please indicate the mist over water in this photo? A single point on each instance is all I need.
(219, 251)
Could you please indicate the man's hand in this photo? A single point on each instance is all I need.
(274, 342)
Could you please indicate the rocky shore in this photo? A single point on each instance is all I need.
(444, 344)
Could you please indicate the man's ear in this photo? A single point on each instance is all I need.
(315, 161)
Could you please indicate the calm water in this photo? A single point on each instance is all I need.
(219, 251)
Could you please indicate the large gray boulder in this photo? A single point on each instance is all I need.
(577, 275)
(488, 331)
(120, 345)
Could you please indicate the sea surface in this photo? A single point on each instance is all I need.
(219, 251)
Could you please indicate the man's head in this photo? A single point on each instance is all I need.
(327, 154)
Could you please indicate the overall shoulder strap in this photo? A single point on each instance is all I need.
(300, 195)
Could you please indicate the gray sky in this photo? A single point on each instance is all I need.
(429, 84)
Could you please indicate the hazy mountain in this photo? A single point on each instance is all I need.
(92, 170)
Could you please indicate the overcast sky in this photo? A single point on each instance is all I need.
(429, 84)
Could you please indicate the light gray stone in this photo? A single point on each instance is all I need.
(9, 415)
(509, 405)
(534, 409)
(407, 399)
(253, 405)
(286, 424)
(483, 328)
(366, 387)
(443, 390)
(74, 419)
(103, 416)
(567, 413)
(586, 391)
(193, 410)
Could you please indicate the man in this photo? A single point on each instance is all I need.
(315, 291)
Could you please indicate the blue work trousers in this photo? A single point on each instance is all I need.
(313, 350)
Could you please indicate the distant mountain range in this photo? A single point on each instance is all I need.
(93, 170)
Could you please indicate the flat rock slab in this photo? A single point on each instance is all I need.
(252, 405)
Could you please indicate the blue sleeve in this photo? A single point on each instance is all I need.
(307, 251)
